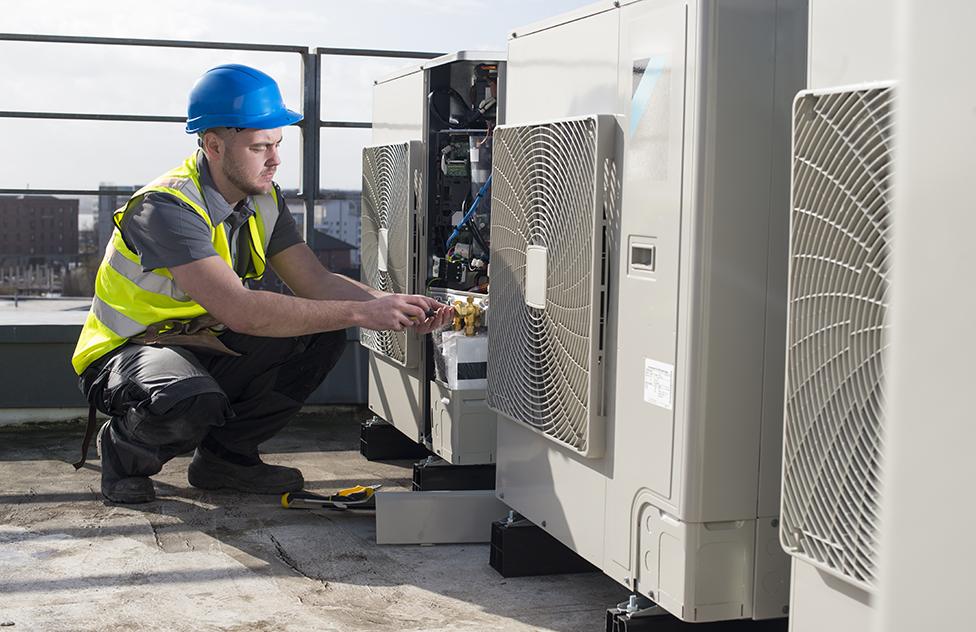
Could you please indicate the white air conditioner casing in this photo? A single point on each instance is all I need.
(840, 249)
(396, 183)
(397, 388)
(675, 492)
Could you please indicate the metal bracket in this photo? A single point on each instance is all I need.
(640, 606)
(634, 614)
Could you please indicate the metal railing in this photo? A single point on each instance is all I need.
(310, 126)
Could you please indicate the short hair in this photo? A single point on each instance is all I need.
(216, 130)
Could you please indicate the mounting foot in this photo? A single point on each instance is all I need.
(520, 549)
(640, 613)
(380, 440)
(434, 474)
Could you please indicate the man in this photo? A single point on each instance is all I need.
(176, 348)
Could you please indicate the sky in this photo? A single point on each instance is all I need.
(141, 80)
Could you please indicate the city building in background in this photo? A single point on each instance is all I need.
(52, 246)
(110, 198)
(38, 227)
(335, 254)
(342, 218)
(337, 213)
(38, 243)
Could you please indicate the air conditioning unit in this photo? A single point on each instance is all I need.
(638, 296)
(433, 126)
(838, 296)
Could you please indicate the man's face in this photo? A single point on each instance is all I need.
(250, 158)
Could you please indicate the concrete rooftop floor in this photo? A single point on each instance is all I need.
(198, 560)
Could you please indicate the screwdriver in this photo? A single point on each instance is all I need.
(429, 313)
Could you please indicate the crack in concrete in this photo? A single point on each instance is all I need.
(155, 535)
(290, 562)
(285, 557)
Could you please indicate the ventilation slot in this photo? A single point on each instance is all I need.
(544, 366)
(386, 234)
(838, 299)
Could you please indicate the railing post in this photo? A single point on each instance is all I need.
(311, 132)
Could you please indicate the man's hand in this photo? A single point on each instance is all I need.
(218, 289)
(442, 315)
(396, 312)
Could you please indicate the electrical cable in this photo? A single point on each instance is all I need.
(454, 94)
(469, 214)
(476, 233)
(484, 140)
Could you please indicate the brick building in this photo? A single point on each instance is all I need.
(38, 226)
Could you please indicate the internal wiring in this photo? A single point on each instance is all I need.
(491, 128)
(469, 214)
(476, 233)
(447, 120)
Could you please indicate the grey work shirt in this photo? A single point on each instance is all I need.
(165, 232)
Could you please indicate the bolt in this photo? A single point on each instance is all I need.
(511, 517)
(632, 604)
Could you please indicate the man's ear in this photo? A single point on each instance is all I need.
(212, 144)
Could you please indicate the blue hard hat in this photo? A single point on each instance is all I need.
(233, 95)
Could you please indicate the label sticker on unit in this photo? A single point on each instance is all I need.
(658, 383)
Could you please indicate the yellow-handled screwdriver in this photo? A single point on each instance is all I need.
(358, 497)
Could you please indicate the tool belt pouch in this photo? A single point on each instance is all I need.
(198, 334)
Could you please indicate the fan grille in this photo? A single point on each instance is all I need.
(386, 205)
(543, 365)
(838, 298)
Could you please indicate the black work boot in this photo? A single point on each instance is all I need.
(209, 471)
(128, 490)
(131, 490)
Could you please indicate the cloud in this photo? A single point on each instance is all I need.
(427, 7)
(141, 80)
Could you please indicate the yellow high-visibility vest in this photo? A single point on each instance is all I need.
(127, 300)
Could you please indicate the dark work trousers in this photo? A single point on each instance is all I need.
(164, 401)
